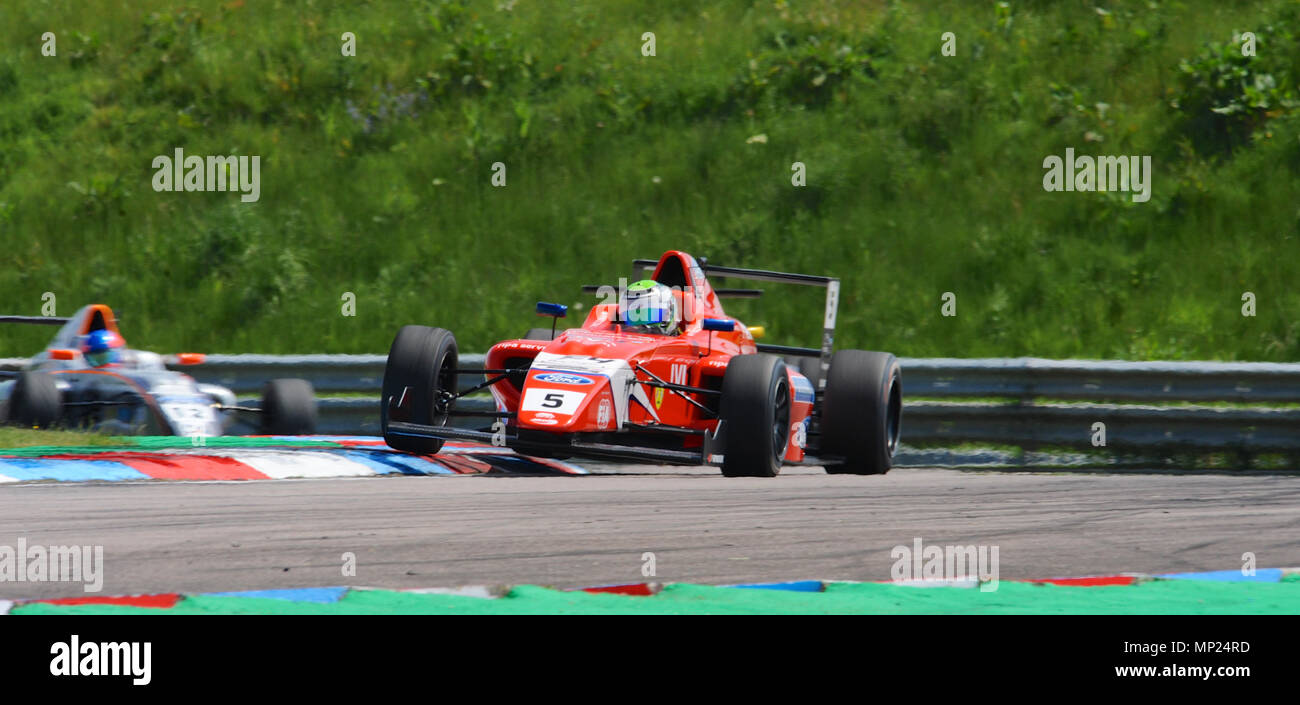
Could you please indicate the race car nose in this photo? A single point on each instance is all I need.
(566, 402)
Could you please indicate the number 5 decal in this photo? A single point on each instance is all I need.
(554, 400)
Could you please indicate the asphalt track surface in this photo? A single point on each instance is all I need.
(409, 532)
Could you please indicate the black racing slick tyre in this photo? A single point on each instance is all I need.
(288, 408)
(862, 412)
(755, 408)
(811, 367)
(419, 379)
(36, 401)
(541, 334)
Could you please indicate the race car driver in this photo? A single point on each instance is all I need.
(650, 307)
(101, 348)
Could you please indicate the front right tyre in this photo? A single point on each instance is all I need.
(36, 400)
(288, 408)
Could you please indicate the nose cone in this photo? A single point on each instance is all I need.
(566, 402)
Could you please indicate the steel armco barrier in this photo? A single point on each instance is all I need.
(1027, 402)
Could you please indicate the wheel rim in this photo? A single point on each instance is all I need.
(894, 417)
(444, 391)
(780, 419)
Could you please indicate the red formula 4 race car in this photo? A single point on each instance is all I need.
(690, 391)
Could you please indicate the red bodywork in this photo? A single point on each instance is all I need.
(587, 380)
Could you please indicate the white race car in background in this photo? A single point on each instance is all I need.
(137, 395)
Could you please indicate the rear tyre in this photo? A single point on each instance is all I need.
(288, 408)
(422, 368)
(862, 412)
(540, 334)
(810, 367)
(36, 401)
(756, 402)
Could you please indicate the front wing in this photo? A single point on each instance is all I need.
(586, 445)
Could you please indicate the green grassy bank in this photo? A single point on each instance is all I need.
(924, 171)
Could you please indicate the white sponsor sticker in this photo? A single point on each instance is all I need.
(832, 302)
(190, 419)
(578, 363)
(555, 401)
(618, 371)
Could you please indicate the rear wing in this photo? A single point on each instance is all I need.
(30, 320)
(35, 320)
(831, 284)
(721, 293)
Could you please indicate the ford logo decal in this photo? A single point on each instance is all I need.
(560, 378)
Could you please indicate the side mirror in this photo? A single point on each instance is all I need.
(553, 310)
(190, 358)
(721, 325)
(63, 354)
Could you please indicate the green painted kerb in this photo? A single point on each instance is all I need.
(151, 443)
(1153, 597)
